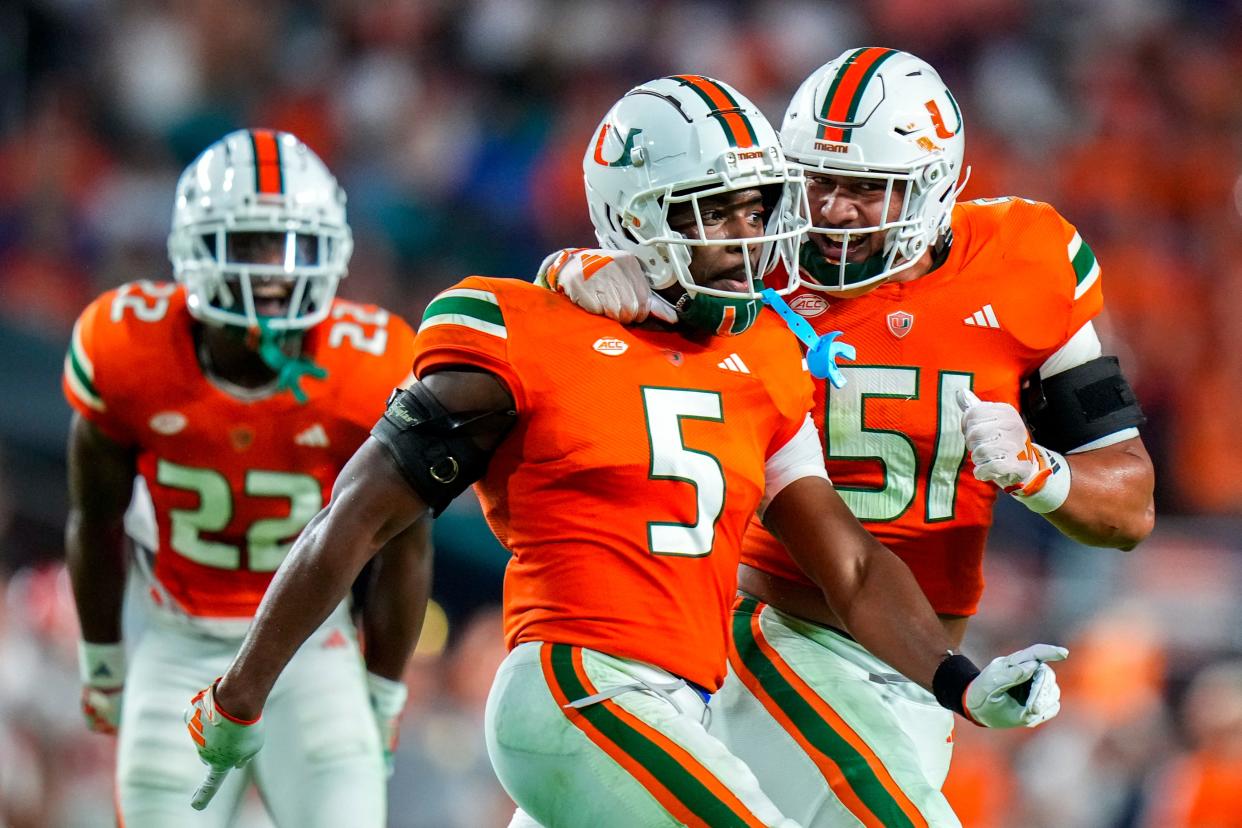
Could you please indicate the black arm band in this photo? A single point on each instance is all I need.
(1081, 405)
(949, 683)
(433, 448)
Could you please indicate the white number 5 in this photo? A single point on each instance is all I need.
(671, 460)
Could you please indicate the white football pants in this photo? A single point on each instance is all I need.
(835, 736)
(321, 764)
(579, 738)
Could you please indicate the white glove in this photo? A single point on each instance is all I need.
(1003, 453)
(989, 702)
(101, 667)
(387, 702)
(223, 741)
(606, 283)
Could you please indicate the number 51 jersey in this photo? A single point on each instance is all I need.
(233, 476)
(1017, 284)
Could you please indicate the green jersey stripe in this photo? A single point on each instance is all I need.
(679, 781)
(480, 309)
(75, 343)
(1086, 268)
(84, 392)
(81, 367)
(858, 774)
(471, 322)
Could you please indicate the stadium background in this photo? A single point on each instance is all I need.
(457, 129)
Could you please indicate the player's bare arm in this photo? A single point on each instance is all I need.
(392, 618)
(372, 507)
(1110, 502)
(878, 600)
(101, 475)
(868, 587)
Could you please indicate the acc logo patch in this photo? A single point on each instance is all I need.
(809, 305)
(900, 323)
(168, 422)
(610, 347)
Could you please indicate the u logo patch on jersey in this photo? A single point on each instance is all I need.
(900, 323)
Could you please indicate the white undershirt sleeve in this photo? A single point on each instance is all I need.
(802, 456)
(1083, 346)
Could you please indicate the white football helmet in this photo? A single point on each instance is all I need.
(880, 114)
(259, 190)
(678, 140)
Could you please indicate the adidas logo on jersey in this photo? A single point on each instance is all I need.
(734, 363)
(315, 437)
(985, 317)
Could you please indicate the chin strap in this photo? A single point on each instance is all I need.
(822, 351)
(289, 369)
(827, 273)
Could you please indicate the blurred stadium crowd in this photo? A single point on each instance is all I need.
(457, 129)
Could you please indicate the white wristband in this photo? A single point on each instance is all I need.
(101, 665)
(387, 696)
(1056, 487)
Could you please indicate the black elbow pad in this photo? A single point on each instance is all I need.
(433, 448)
(1085, 403)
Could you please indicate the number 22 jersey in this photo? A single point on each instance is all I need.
(232, 479)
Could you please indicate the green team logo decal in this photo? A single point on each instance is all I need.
(624, 160)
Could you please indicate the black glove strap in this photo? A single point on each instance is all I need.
(952, 677)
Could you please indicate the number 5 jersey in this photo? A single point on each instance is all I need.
(638, 457)
(233, 475)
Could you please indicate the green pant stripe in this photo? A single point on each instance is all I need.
(465, 306)
(679, 781)
(853, 765)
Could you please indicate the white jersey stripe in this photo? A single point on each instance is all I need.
(466, 322)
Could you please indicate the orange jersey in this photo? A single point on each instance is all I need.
(637, 460)
(1017, 284)
(232, 481)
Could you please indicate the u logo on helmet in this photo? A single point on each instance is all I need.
(942, 131)
(626, 157)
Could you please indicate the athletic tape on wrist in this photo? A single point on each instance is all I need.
(1055, 489)
(387, 696)
(952, 677)
(101, 665)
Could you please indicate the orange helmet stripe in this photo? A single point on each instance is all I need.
(724, 108)
(841, 102)
(268, 177)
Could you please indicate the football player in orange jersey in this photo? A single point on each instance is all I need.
(621, 467)
(946, 305)
(233, 398)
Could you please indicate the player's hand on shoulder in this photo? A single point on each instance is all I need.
(387, 701)
(604, 282)
(101, 668)
(1017, 690)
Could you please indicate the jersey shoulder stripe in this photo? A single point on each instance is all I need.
(80, 372)
(1086, 268)
(472, 308)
